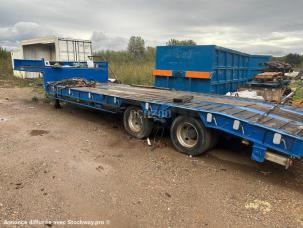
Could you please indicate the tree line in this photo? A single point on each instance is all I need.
(136, 45)
(293, 59)
(137, 51)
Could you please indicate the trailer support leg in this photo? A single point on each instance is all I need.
(57, 104)
(258, 153)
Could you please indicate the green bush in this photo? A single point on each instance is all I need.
(5, 64)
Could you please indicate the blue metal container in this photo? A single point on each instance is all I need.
(205, 68)
(256, 64)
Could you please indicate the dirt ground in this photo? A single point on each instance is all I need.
(76, 164)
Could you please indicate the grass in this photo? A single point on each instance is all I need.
(133, 73)
(129, 69)
(5, 66)
(11, 81)
(299, 90)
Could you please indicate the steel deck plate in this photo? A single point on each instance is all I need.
(254, 111)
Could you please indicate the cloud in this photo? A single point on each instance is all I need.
(11, 36)
(274, 25)
(102, 41)
(274, 43)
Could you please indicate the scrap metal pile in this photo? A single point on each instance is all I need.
(270, 77)
(276, 75)
(272, 83)
(74, 82)
(278, 66)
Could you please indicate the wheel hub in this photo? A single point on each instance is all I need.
(187, 135)
(135, 120)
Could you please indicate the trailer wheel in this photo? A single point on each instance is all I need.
(214, 139)
(136, 124)
(189, 136)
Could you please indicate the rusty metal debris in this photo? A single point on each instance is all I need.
(269, 76)
(182, 99)
(298, 103)
(278, 66)
(75, 82)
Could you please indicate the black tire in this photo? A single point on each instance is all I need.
(214, 139)
(140, 128)
(189, 136)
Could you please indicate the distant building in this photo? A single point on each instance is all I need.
(52, 48)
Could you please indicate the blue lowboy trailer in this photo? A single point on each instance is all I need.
(275, 132)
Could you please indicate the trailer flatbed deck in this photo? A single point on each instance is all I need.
(253, 120)
(201, 101)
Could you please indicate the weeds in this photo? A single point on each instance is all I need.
(133, 74)
(297, 85)
(128, 68)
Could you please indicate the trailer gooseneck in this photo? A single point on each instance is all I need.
(275, 134)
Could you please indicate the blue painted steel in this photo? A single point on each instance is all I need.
(230, 69)
(29, 65)
(256, 64)
(64, 70)
(259, 134)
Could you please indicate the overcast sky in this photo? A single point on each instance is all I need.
(254, 26)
